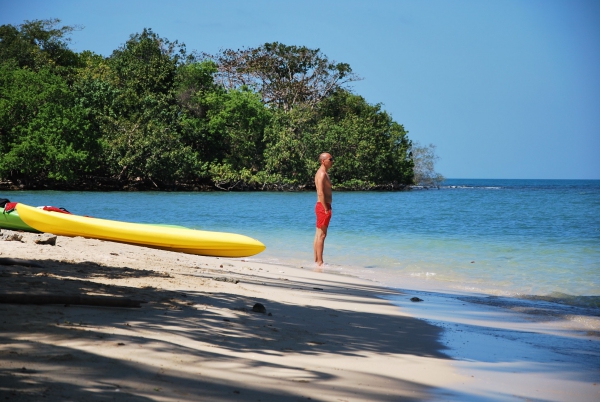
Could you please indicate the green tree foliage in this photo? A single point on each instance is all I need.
(147, 64)
(38, 44)
(150, 113)
(199, 98)
(225, 128)
(43, 131)
(143, 139)
(370, 148)
(239, 118)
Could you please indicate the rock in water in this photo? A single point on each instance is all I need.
(259, 308)
(415, 299)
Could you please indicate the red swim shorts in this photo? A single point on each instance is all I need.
(322, 217)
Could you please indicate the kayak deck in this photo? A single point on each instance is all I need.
(167, 237)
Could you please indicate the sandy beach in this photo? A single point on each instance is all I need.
(323, 337)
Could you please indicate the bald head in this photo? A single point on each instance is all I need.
(324, 156)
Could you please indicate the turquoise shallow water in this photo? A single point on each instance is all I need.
(531, 238)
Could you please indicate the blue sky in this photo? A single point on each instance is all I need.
(504, 89)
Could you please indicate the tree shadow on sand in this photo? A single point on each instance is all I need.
(247, 345)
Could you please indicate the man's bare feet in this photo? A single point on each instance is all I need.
(319, 267)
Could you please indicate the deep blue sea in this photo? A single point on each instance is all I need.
(517, 238)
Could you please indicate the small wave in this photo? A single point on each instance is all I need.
(418, 274)
(563, 298)
(559, 298)
(546, 308)
(472, 187)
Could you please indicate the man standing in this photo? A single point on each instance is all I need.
(323, 207)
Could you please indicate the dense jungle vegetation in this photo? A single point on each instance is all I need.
(152, 115)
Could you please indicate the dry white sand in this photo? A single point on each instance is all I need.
(324, 338)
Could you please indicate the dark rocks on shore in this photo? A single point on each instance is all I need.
(259, 308)
(9, 235)
(98, 183)
(43, 238)
(46, 238)
(225, 279)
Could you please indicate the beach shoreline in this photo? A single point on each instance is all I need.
(324, 337)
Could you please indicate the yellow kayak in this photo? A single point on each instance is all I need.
(217, 244)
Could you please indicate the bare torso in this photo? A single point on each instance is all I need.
(323, 185)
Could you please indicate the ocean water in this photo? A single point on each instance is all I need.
(535, 240)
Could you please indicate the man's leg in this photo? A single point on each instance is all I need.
(319, 244)
(315, 243)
